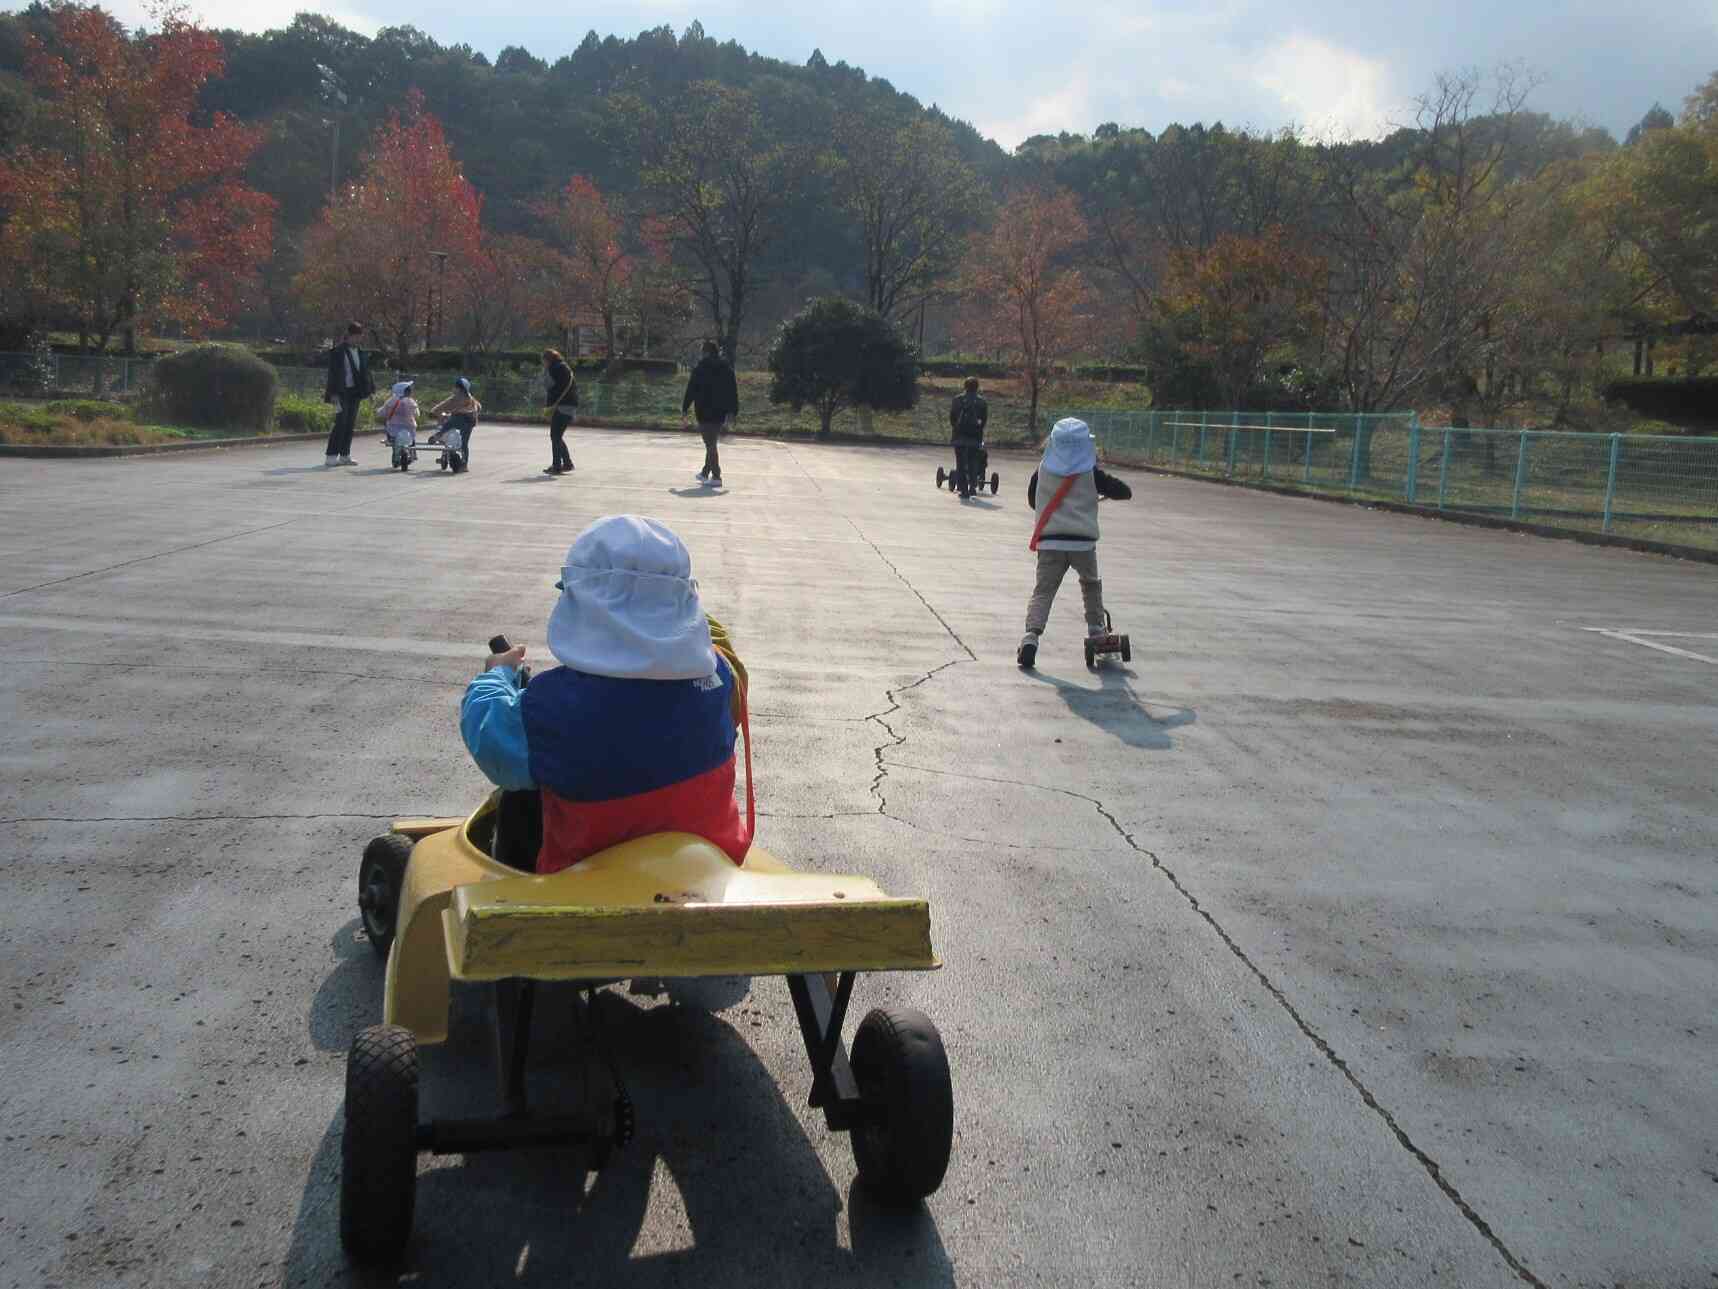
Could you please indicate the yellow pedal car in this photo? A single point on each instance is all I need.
(440, 900)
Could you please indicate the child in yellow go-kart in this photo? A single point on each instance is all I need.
(634, 732)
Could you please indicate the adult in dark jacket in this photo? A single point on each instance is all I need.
(967, 416)
(713, 395)
(563, 403)
(349, 384)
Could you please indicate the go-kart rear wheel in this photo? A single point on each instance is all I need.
(381, 874)
(995, 484)
(1126, 649)
(378, 1149)
(1091, 655)
(902, 1146)
(941, 476)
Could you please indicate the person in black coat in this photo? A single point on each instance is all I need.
(563, 403)
(967, 417)
(714, 396)
(349, 384)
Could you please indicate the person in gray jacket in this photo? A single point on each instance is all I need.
(1064, 492)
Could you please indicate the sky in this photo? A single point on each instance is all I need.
(1015, 69)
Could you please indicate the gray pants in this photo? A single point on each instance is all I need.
(1052, 567)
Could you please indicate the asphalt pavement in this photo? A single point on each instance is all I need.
(1362, 930)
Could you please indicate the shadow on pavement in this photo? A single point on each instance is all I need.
(349, 996)
(700, 491)
(1114, 708)
(318, 468)
(720, 1187)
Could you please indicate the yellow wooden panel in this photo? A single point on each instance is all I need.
(492, 940)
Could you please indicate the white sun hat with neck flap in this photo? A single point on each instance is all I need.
(629, 605)
(1071, 449)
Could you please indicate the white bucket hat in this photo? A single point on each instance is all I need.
(1072, 449)
(629, 605)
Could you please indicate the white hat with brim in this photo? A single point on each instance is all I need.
(1072, 449)
(629, 605)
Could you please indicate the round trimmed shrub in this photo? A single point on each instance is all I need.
(220, 386)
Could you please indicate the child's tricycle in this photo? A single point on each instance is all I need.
(448, 900)
(450, 439)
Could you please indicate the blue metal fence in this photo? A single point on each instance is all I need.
(1646, 485)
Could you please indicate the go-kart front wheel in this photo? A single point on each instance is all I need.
(942, 476)
(902, 1146)
(378, 1149)
(381, 874)
(995, 483)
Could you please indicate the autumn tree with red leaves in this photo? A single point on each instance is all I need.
(377, 251)
(1022, 298)
(585, 226)
(127, 208)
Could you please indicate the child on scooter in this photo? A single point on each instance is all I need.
(1064, 492)
(460, 409)
(399, 418)
(634, 732)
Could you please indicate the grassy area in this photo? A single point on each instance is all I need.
(103, 423)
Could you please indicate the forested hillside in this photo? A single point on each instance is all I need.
(667, 186)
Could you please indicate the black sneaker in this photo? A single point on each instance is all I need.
(1028, 655)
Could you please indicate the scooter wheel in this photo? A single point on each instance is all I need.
(1126, 650)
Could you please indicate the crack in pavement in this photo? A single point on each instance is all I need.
(1324, 1046)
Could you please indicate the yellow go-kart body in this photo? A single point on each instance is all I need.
(664, 906)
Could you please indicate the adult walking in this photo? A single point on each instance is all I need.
(349, 384)
(563, 405)
(967, 417)
(714, 396)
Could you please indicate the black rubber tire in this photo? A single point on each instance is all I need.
(381, 875)
(1091, 655)
(902, 1147)
(942, 475)
(378, 1149)
(1126, 649)
(995, 484)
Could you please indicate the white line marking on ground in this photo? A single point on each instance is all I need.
(1634, 637)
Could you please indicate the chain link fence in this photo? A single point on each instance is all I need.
(1659, 487)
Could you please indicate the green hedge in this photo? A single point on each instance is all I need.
(1669, 397)
(220, 386)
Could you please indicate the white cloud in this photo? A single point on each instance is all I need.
(1328, 90)
(246, 15)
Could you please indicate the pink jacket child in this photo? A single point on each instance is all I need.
(399, 418)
